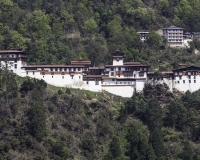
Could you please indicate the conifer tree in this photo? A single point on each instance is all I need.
(150, 153)
(157, 142)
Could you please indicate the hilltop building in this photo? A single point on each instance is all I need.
(174, 35)
(121, 78)
(143, 36)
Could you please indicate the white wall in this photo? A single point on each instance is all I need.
(124, 91)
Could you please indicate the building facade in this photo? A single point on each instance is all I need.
(120, 78)
(174, 36)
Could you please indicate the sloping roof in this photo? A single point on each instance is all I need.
(80, 62)
(173, 27)
(132, 63)
(11, 51)
(190, 68)
(52, 66)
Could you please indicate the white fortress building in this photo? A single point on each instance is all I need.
(121, 78)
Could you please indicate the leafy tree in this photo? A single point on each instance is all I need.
(150, 154)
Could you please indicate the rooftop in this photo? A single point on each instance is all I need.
(173, 27)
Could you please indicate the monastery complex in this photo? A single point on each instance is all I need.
(121, 78)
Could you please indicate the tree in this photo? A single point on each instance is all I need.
(153, 40)
(150, 154)
(154, 114)
(187, 151)
(90, 26)
(115, 147)
(157, 142)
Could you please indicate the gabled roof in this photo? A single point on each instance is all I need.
(80, 62)
(190, 68)
(173, 27)
(11, 51)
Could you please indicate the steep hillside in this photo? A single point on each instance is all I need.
(44, 122)
(58, 31)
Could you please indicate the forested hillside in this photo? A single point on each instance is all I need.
(40, 122)
(55, 32)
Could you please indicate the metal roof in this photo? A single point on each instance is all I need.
(173, 27)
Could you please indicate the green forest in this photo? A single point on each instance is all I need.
(42, 122)
(56, 32)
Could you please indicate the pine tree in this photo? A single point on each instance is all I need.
(115, 147)
(143, 147)
(150, 153)
(187, 151)
(157, 142)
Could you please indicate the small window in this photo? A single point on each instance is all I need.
(52, 73)
(12, 55)
(43, 73)
(189, 81)
(180, 77)
(79, 69)
(42, 69)
(52, 76)
(177, 81)
(113, 79)
(62, 77)
(56, 69)
(79, 77)
(51, 69)
(194, 81)
(62, 73)
(119, 68)
(194, 77)
(43, 76)
(183, 81)
(87, 82)
(33, 73)
(72, 76)
(27, 73)
(15, 66)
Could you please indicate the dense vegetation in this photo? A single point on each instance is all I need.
(38, 121)
(58, 31)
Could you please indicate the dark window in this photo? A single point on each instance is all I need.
(43, 76)
(178, 81)
(62, 73)
(33, 73)
(27, 73)
(113, 79)
(51, 69)
(43, 73)
(72, 76)
(62, 77)
(119, 68)
(180, 77)
(79, 69)
(56, 69)
(194, 81)
(69, 69)
(194, 77)
(87, 82)
(79, 77)
(189, 81)
(189, 76)
(112, 69)
(52, 73)
(183, 81)
(96, 82)
(15, 66)
(64, 69)
(112, 73)
(15, 60)
(52, 76)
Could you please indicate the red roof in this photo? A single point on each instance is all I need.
(132, 63)
(80, 62)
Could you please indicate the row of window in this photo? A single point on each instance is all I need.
(184, 81)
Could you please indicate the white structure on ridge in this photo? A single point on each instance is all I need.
(121, 78)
